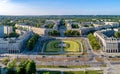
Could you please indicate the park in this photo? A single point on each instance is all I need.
(62, 46)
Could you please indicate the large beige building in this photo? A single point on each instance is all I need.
(14, 45)
(40, 31)
(110, 44)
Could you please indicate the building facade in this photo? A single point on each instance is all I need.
(8, 29)
(109, 44)
(40, 31)
(14, 45)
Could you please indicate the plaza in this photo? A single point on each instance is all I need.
(62, 45)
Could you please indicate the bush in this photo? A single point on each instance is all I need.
(117, 34)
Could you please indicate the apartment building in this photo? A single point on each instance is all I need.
(14, 45)
(86, 30)
(40, 31)
(8, 29)
(109, 43)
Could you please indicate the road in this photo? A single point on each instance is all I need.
(89, 50)
(70, 69)
(62, 29)
(110, 69)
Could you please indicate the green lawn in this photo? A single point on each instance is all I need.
(74, 46)
(70, 46)
(50, 46)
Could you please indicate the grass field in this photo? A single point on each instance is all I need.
(74, 46)
(71, 46)
(50, 46)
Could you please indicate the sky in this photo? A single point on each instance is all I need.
(59, 7)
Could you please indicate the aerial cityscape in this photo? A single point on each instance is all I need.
(59, 37)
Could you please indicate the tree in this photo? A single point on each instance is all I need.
(37, 25)
(72, 33)
(62, 22)
(13, 34)
(54, 33)
(93, 42)
(21, 67)
(14, 28)
(11, 67)
(31, 68)
(5, 61)
(117, 34)
(49, 26)
(75, 26)
(11, 64)
(32, 41)
(20, 70)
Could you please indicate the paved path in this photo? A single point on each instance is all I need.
(70, 69)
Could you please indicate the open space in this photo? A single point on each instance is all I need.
(63, 45)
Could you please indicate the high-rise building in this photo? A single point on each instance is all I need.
(8, 29)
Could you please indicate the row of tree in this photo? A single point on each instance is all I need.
(72, 33)
(32, 41)
(22, 67)
(93, 42)
(54, 33)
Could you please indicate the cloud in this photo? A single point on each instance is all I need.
(4, 1)
(7, 7)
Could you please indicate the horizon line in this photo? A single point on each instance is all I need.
(68, 15)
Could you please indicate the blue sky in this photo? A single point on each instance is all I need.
(59, 7)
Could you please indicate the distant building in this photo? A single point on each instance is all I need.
(40, 31)
(8, 29)
(69, 27)
(113, 24)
